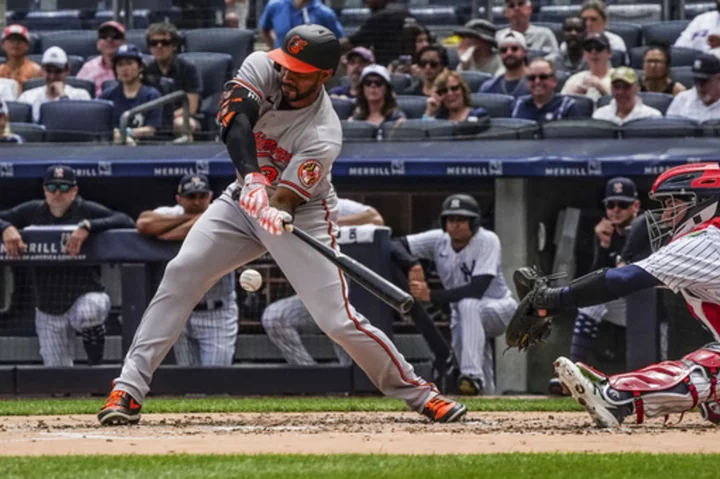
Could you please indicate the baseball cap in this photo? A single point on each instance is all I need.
(620, 189)
(114, 25)
(128, 50)
(478, 28)
(705, 66)
(308, 49)
(4, 110)
(16, 29)
(624, 74)
(597, 37)
(54, 56)
(513, 38)
(192, 183)
(60, 174)
(375, 69)
(363, 53)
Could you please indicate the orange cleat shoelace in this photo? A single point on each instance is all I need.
(114, 399)
(439, 407)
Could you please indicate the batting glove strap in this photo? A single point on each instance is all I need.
(273, 220)
(253, 196)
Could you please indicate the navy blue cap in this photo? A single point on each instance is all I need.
(621, 189)
(60, 174)
(191, 183)
(705, 66)
(128, 50)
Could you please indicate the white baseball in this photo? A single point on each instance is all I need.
(250, 280)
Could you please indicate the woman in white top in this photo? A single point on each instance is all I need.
(595, 15)
(594, 82)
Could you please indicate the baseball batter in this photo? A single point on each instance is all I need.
(282, 136)
(688, 265)
(209, 336)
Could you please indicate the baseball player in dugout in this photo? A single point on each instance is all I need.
(685, 238)
(467, 258)
(68, 300)
(209, 336)
(282, 136)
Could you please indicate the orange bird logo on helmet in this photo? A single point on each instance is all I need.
(296, 45)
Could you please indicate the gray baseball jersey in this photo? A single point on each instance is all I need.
(296, 149)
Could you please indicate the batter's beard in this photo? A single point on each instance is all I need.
(299, 96)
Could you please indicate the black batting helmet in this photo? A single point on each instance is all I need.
(461, 205)
(307, 49)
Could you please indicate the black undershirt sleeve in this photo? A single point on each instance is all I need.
(474, 289)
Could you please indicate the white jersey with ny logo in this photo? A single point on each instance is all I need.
(481, 256)
(295, 147)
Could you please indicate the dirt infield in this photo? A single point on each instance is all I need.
(328, 433)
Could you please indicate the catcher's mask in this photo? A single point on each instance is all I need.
(694, 191)
(461, 205)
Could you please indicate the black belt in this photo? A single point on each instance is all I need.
(208, 307)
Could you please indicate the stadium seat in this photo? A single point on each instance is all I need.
(418, 129)
(603, 101)
(635, 13)
(475, 79)
(497, 105)
(19, 112)
(562, 77)
(141, 18)
(692, 10)
(137, 38)
(684, 75)
(557, 13)
(207, 113)
(81, 43)
(353, 17)
(358, 130)
(435, 15)
(400, 82)
(681, 57)
(586, 106)
(619, 58)
(453, 59)
(659, 101)
(580, 128)
(343, 107)
(412, 105)
(672, 126)
(238, 43)
(533, 54)
(76, 62)
(31, 132)
(631, 33)
(72, 81)
(664, 32)
(711, 127)
(511, 128)
(58, 20)
(556, 28)
(79, 120)
(11, 84)
(215, 69)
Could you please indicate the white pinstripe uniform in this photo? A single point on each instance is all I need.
(57, 332)
(285, 319)
(209, 336)
(473, 321)
(696, 34)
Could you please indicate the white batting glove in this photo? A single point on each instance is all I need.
(253, 196)
(272, 220)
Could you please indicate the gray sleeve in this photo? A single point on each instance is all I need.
(488, 253)
(257, 74)
(348, 207)
(422, 245)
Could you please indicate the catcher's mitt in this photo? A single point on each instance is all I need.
(529, 325)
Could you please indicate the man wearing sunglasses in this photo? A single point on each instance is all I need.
(513, 52)
(543, 104)
(595, 81)
(209, 336)
(69, 299)
(700, 103)
(111, 35)
(56, 68)
(518, 13)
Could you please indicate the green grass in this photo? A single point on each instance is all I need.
(24, 407)
(535, 466)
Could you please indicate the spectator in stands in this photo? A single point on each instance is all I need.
(452, 100)
(69, 299)
(281, 16)
(701, 102)
(595, 15)
(571, 50)
(376, 99)
(284, 320)
(209, 336)
(355, 62)
(414, 37)
(594, 82)
(518, 13)
(656, 72)
(56, 67)
(381, 31)
(8, 89)
(477, 48)
(543, 104)
(626, 105)
(236, 12)
(432, 60)
(703, 32)
(6, 136)
(163, 40)
(513, 52)
(16, 43)
(130, 92)
(100, 69)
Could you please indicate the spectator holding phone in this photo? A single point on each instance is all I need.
(414, 37)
